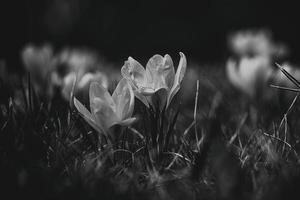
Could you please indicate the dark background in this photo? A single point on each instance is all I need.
(117, 29)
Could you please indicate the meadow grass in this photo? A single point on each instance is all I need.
(216, 145)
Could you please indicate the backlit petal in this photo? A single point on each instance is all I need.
(233, 73)
(178, 77)
(123, 97)
(169, 74)
(103, 113)
(133, 71)
(89, 118)
(159, 72)
(98, 91)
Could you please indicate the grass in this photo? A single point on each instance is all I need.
(215, 145)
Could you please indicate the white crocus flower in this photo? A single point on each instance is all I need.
(108, 110)
(158, 75)
(250, 75)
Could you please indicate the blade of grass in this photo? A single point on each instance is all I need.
(29, 93)
(285, 88)
(288, 110)
(195, 114)
(288, 75)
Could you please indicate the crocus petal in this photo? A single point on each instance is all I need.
(169, 73)
(129, 112)
(234, 76)
(178, 77)
(98, 91)
(103, 113)
(134, 72)
(154, 68)
(159, 72)
(123, 97)
(89, 118)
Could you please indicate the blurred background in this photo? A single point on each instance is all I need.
(117, 29)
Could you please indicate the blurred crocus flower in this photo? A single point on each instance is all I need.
(250, 75)
(82, 83)
(40, 62)
(78, 61)
(108, 110)
(256, 43)
(158, 75)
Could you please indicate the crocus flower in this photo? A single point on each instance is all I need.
(108, 110)
(250, 75)
(158, 75)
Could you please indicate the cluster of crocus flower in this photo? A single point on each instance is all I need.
(108, 110)
(62, 70)
(77, 70)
